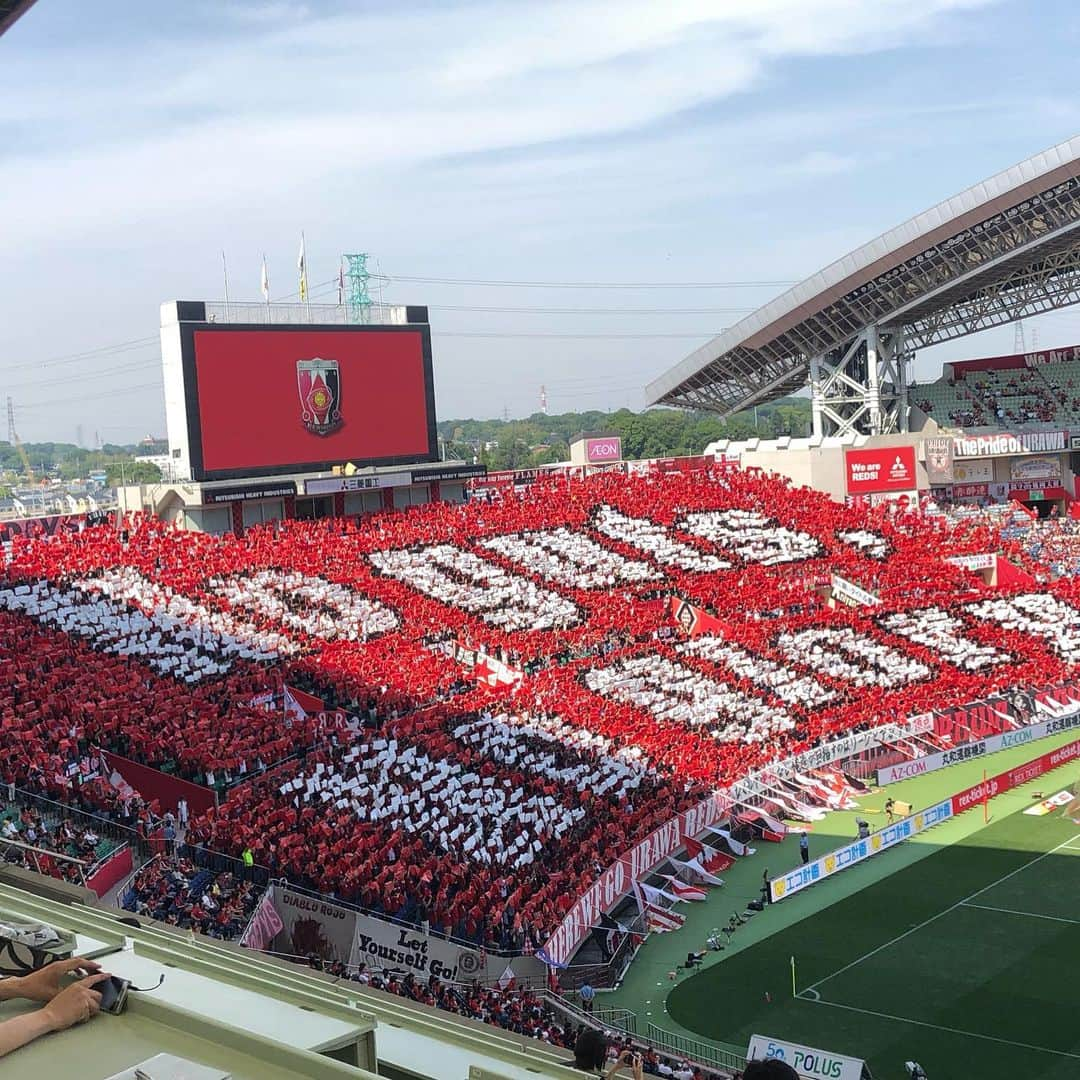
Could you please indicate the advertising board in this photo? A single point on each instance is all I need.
(330, 485)
(598, 451)
(1013, 778)
(262, 401)
(883, 469)
(850, 854)
(807, 1061)
(273, 490)
(973, 472)
(905, 770)
(1035, 468)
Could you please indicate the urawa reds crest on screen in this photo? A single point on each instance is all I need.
(319, 384)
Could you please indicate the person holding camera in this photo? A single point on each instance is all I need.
(590, 1055)
(65, 1005)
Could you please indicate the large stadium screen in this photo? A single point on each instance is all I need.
(287, 399)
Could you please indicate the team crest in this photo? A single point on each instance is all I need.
(319, 384)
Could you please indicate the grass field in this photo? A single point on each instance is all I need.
(963, 960)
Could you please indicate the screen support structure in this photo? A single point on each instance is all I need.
(860, 387)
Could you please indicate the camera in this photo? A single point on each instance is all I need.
(114, 994)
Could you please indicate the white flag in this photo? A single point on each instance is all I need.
(265, 281)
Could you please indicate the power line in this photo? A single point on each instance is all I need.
(90, 397)
(391, 278)
(72, 358)
(545, 334)
(592, 311)
(38, 384)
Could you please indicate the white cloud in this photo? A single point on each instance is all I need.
(286, 107)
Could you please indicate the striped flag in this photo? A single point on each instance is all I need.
(265, 925)
(660, 921)
(683, 891)
(649, 894)
(694, 867)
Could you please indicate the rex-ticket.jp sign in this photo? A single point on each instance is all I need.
(882, 469)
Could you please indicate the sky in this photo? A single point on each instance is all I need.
(675, 144)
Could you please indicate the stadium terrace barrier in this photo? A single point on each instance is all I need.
(966, 751)
(47, 525)
(154, 784)
(111, 870)
(716, 1055)
(804, 876)
(1015, 777)
(620, 876)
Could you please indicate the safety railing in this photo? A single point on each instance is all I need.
(718, 1055)
(34, 856)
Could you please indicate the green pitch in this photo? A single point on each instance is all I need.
(964, 961)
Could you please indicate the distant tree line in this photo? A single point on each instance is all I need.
(541, 440)
(66, 461)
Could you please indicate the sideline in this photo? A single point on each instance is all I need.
(933, 918)
(940, 1027)
(1026, 914)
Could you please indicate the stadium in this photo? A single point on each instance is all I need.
(384, 765)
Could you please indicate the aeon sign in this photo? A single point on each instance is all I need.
(599, 451)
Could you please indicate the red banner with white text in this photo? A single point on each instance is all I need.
(618, 879)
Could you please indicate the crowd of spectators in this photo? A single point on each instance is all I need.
(178, 892)
(59, 835)
(484, 810)
(519, 1011)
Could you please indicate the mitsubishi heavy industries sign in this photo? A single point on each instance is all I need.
(885, 469)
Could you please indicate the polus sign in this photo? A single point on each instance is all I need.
(805, 1060)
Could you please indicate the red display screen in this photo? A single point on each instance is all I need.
(275, 400)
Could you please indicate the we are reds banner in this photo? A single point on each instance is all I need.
(884, 469)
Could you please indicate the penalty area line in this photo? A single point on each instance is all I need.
(819, 1000)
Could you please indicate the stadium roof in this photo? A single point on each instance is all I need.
(1002, 250)
(10, 10)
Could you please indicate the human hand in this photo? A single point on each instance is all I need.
(45, 983)
(75, 1003)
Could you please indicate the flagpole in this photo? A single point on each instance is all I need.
(225, 274)
(793, 992)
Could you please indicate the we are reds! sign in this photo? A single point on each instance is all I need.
(886, 469)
